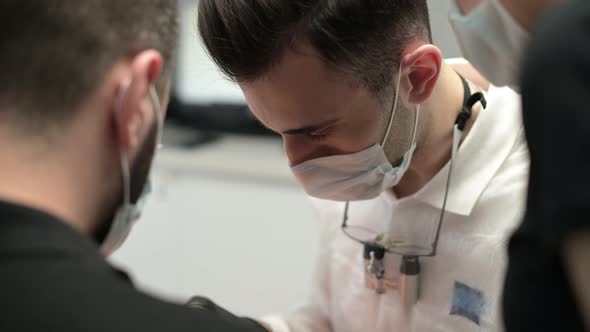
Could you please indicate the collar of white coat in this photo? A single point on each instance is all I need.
(487, 145)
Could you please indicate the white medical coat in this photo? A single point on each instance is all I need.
(460, 287)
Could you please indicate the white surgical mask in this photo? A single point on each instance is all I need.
(359, 176)
(129, 213)
(492, 41)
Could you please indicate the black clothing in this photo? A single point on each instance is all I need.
(52, 278)
(555, 91)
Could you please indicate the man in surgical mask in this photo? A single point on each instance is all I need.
(82, 100)
(540, 46)
(418, 175)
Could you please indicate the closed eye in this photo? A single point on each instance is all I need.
(320, 136)
(317, 138)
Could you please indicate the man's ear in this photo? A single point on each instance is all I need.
(422, 68)
(134, 109)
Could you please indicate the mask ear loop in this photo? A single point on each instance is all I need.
(124, 159)
(399, 80)
(127, 212)
(416, 124)
(396, 100)
(125, 168)
(158, 113)
(126, 179)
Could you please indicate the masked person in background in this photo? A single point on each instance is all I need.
(420, 175)
(546, 286)
(82, 101)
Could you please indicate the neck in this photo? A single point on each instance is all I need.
(48, 176)
(434, 145)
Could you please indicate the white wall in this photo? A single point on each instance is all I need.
(227, 220)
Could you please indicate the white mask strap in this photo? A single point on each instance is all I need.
(126, 178)
(158, 113)
(399, 80)
(125, 168)
(416, 124)
(124, 160)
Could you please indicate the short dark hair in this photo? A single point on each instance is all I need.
(363, 38)
(54, 53)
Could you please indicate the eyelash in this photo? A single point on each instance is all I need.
(321, 136)
(317, 138)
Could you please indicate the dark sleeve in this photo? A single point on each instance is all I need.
(144, 313)
(85, 294)
(556, 89)
(156, 316)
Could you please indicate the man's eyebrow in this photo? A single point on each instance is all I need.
(310, 129)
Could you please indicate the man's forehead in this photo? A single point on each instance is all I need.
(294, 118)
(299, 91)
(303, 66)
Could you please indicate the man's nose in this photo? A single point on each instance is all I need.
(300, 149)
(297, 149)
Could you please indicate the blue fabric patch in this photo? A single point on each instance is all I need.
(468, 302)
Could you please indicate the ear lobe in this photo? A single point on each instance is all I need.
(424, 67)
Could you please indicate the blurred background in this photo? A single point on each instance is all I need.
(226, 218)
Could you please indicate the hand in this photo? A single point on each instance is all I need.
(203, 303)
(466, 6)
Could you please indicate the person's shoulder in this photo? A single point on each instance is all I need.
(73, 294)
(506, 105)
(128, 309)
(505, 93)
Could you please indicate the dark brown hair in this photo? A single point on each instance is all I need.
(363, 38)
(54, 53)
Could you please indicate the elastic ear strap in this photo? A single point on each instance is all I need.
(396, 100)
(156, 101)
(126, 178)
(416, 120)
(125, 171)
(158, 113)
